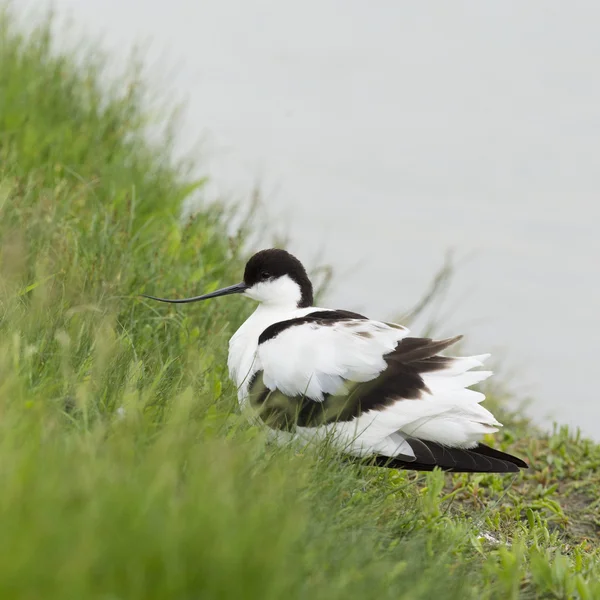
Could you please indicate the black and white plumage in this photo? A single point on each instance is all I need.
(312, 373)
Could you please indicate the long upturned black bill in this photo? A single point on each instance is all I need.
(238, 288)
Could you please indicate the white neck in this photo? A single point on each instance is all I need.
(282, 293)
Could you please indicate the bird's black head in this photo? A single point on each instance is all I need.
(269, 275)
(273, 277)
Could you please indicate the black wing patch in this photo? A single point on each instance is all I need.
(319, 317)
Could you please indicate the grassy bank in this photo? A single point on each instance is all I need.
(175, 497)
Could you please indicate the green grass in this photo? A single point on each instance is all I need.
(178, 497)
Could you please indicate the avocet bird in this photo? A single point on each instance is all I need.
(314, 373)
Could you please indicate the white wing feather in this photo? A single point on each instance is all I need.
(313, 359)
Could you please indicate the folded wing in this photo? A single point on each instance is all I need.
(376, 391)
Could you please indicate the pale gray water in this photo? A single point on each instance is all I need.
(385, 133)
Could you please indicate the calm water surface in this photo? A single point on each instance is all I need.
(384, 134)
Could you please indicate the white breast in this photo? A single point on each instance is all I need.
(243, 360)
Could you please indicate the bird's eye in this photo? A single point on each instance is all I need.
(265, 275)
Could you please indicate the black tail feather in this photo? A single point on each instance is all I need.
(492, 452)
(428, 455)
